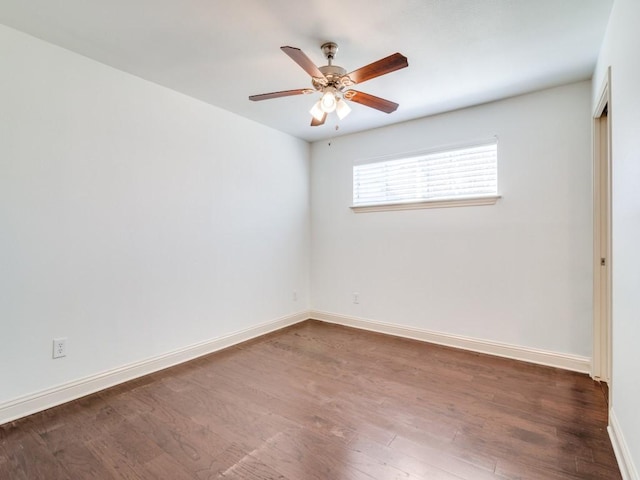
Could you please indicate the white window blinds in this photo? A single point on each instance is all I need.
(452, 174)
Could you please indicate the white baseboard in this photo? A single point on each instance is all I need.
(542, 357)
(57, 395)
(620, 448)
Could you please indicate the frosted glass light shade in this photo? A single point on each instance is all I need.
(317, 111)
(342, 109)
(328, 101)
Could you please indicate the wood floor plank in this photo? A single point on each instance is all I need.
(80, 463)
(414, 466)
(322, 402)
(28, 459)
(164, 466)
(250, 468)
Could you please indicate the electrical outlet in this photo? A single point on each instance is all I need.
(59, 347)
(356, 297)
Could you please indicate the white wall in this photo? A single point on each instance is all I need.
(518, 272)
(134, 220)
(620, 51)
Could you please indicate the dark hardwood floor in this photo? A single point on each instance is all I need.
(324, 402)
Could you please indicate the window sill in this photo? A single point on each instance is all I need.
(442, 203)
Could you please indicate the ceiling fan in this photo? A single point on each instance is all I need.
(334, 82)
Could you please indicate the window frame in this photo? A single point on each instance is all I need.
(442, 202)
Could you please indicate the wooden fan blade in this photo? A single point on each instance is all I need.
(305, 62)
(317, 123)
(381, 67)
(372, 101)
(285, 93)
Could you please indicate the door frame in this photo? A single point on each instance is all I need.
(602, 169)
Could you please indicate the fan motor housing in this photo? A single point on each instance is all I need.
(335, 77)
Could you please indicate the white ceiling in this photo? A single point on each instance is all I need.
(461, 52)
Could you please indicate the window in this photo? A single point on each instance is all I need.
(461, 176)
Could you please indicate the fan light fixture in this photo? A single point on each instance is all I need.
(329, 102)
